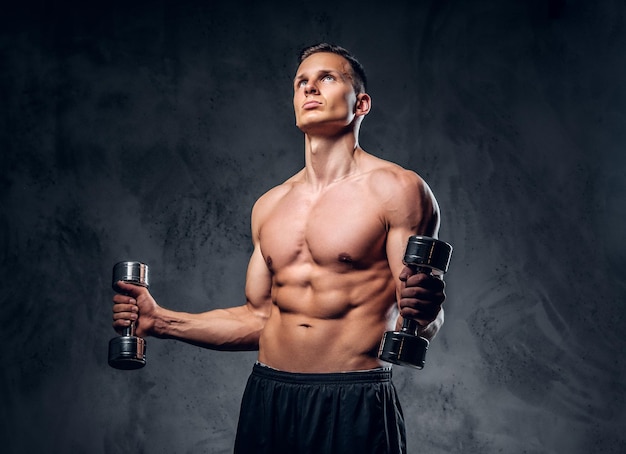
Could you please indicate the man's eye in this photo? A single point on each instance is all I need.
(328, 77)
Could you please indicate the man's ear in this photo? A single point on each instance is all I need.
(363, 104)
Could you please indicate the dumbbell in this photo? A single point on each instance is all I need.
(128, 352)
(405, 347)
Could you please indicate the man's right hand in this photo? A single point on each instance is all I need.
(135, 305)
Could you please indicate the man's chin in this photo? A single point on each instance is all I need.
(322, 127)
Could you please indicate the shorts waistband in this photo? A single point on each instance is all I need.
(367, 376)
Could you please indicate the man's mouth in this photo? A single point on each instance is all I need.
(310, 104)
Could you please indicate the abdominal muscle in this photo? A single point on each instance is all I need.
(332, 324)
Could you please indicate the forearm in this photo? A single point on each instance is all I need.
(237, 328)
(429, 331)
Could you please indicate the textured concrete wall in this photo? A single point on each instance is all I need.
(145, 131)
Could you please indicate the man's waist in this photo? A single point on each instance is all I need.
(376, 375)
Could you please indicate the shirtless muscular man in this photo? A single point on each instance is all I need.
(324, 282)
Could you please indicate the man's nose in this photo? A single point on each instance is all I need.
(310, 88)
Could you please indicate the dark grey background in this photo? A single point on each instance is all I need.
(146, 131)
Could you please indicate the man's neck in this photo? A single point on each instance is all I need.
(329, 159)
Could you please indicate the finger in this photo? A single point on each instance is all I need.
(123, 299)
(423, 314)
(129, 289)
(125, 308)
(427, 281)
(420, 302)
(406, 273)
(120, 325)
(124, 318)
(420, 295)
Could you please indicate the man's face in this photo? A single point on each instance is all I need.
(324, 98)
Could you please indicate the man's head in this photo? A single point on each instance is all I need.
(329, 91)
(358, 76)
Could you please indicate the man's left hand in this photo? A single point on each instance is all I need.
(421, 296)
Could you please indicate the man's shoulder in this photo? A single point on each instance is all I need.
(389, 176)
(273, 195)
(400, 191)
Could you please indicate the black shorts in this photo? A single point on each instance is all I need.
(352, 412)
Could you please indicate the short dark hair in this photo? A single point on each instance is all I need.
(359, 79)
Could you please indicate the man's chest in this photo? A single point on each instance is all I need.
(342, 228)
